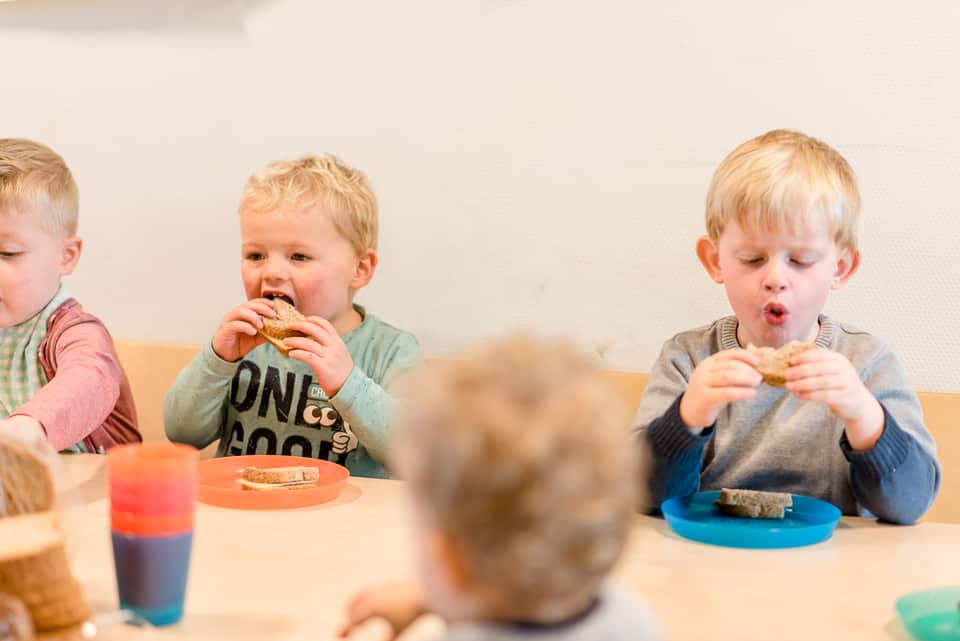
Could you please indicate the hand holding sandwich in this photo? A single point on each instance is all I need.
(323, 350)
(828, 377)
(237, 333)
(729, 375)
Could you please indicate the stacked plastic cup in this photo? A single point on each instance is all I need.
(152, 491)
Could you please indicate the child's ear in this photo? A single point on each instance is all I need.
(709, 255)
(366, 266)
(847, 264)
(70, 255)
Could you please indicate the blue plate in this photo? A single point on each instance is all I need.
(696, 517)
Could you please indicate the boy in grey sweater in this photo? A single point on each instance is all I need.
(523, 486)
(781, 219)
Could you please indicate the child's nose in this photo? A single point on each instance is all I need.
(275, 269)
(773, 278)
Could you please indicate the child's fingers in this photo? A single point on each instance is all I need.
(316, 333)
(733, 374)
(240, 327)
(319, 328)
(814, 369)
(302, 344)
(260, 306)
(828, 396)
(360, 609)
(245, 314)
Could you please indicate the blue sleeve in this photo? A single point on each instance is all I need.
(897, 479)
(676, 456)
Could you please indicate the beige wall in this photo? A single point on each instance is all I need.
(538, 162)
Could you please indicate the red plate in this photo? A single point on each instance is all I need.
(217, 483)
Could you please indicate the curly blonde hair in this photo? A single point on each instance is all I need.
(785, 180)
(519, 453)
(343, 192)
(34, 179)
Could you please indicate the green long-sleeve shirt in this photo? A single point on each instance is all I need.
(267, 403)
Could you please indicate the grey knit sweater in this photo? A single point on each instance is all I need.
(778, 443)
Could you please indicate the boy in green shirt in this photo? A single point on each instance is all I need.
(308, 236)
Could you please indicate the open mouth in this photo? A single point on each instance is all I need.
(278, 295)
(775, 313)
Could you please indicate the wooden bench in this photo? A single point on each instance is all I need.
(152, 368)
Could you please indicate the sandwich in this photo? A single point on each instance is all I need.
(26, 484)
(277, 478)
(276, 329)
(753, 504)
(34, 569)
(774, 363)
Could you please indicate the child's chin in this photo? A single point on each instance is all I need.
(774, 336)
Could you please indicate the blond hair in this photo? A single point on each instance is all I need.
(343, 192)
(519, 453)
(785, 180)
(35, 179)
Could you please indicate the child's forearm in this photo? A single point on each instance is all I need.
(897, 479)
(675, 458)
(82, 393)
(864, 432)
(193, 408)
(368, 408)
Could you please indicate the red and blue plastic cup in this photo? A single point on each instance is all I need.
(152, 490)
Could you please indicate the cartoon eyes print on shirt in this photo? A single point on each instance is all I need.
(324, 416)
(344, 440)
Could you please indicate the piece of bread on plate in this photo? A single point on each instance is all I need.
(754, 504)
(290, 474)
(278, 478)
(276, 329)
(774, 363)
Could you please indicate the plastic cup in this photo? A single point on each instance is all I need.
(931, 615)
(152, 489)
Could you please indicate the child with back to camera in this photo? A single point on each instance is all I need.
(62, 387)
(522, 478)
(781, 217)
(308, 232)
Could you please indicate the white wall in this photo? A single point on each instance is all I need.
(539, 162)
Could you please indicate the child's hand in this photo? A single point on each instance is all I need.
(237, 333)
(326, 354)
(26, 431)
(827, 377)
(730, 375)
(400, 604)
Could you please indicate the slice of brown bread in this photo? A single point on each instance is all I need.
(27, 482)
(34, 568)
(753, 504)
(291, 474)
(775, 362)
(276, 329)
